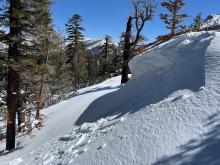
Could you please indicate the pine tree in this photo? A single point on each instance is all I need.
(197, 22)
(44, 22)
(94, 68)
(118, 57)
(13, 16)
(174, 19)
(3, 61)
(20, 16)
(60, 81)
(106, 55)
(75, 50)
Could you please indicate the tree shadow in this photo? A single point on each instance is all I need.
(133, 97)
(6, 152)
(201, 151)
(171, 72)
(96, 89)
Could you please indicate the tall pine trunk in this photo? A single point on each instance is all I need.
(21, 114)
(13, 73)
(127, 52)
(90, 69)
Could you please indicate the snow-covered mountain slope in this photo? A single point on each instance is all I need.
(168, 113)
(94, 46)
(212, 20)
(94, 43)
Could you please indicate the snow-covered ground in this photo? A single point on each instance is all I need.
(168, 113)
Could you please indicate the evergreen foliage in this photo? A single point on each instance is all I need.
(76, 53)
(174, 19)
(106, 57)
(197, 22)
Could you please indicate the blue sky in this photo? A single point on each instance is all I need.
(102, 17)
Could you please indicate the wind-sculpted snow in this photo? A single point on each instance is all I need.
(178, 64)
(182, 128)
(168, 113)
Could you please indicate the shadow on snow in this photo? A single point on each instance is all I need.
(97, 89)
(185, 71)
(202, 151)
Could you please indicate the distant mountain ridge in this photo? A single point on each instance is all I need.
(94, 46)
(212, 21)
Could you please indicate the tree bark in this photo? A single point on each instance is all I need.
(21, 114)
(13, 73)
(126, 55)
(105, 59)
(90, 69)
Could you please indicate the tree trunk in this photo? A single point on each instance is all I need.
(90, 69)
(39, 99)
(21, 114)
(13, 74)
(12, 99)
(105, 59)
(127, 52)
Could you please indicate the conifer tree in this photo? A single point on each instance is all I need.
(174, 19)
(118, 57)
(60, 81)
(20, 17)
(197, 22)
(44, 27)
(75, 50)
(12, 15)
(106, 55)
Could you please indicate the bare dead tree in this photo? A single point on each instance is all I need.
(143, 12)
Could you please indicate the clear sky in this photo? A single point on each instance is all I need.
(102, 17)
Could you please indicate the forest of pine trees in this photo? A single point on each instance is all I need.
(39, 66)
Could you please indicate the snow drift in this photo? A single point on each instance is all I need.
(178, 64)
(168, 113)
(175, 92)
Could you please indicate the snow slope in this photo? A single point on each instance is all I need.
(94, 43)
(168, 113)
(95, 46)
(60, 118)
(212, 20)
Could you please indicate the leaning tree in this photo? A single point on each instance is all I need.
(143, 12)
